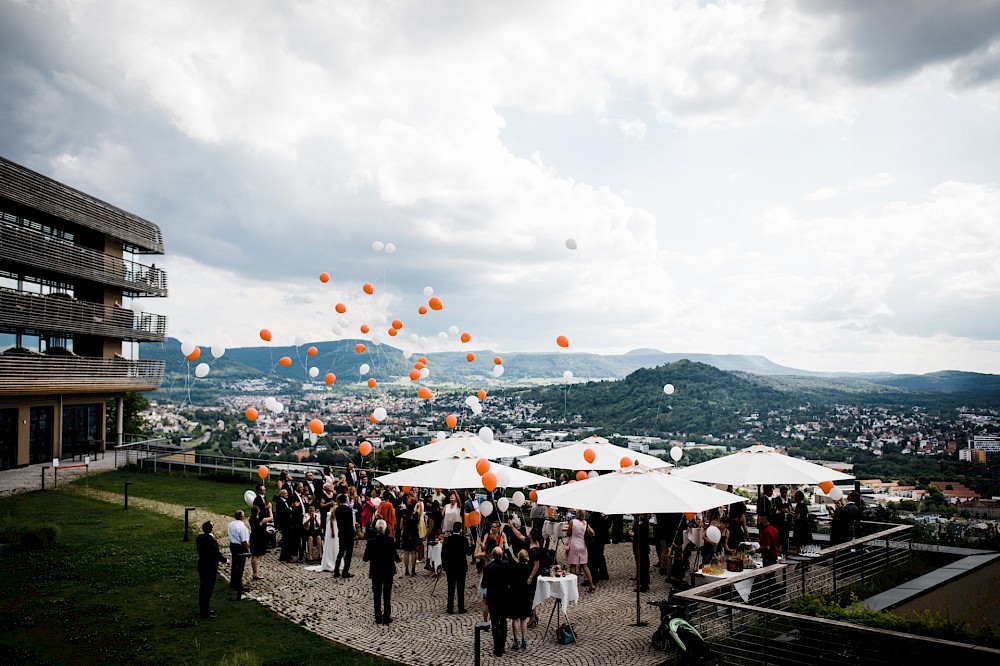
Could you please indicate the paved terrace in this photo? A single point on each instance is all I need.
(421, 632)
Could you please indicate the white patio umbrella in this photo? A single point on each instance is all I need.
(759, 465)
(607, 456)
(637, 489)
(464, 441)
(458, 472)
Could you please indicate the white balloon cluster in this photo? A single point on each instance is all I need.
(272, 405)
(472, 402)
(379, 246)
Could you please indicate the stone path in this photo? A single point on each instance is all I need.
(28, 478)
(422, 633)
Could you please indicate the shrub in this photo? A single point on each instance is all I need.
(239, 658)
(29, 536)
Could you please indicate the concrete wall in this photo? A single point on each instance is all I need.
(973, 598)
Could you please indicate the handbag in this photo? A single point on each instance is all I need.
(565, 634)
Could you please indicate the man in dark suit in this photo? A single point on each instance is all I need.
(297, 502)
(381, 555)
(595, 546)
(344, 515)
(496, 582)
(283, 523)
(209, 556)
(260, 501)
(353, 478)
(364, 485)
(455, 551)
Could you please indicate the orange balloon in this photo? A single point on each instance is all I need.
(330, 378)
(533, 495)
(360, 348)
(324, 277)
(625, 462)
(365, 448)
(415, 374)
(497, 360)
(368, 288)
(490, 481)
(689, 516)
(466, 337)
(474, 518)
(451, 421)
(340, 307)
(262, 472)
(365, 328)
(316, 427)
(424, 393)
(284, 361)
(251, 414)
(392, 332)
(826, 486)
(397, 324)
(371, 382)
(482, 466)
(481, 394)
(406, 490)
(371, 417)
(312, 351)
(265, 335)
(419, 365)
(470, 357)
(193, 356)
(581, 475)
(422, 310)
(435, 303)
(562, 341)
(467, 520)
(589, 455)
(422, 359)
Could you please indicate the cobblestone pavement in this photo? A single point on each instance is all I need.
(28, 478)
(421, 632)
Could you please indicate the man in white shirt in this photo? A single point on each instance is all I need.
(239, 546)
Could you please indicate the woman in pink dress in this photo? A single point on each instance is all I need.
(576, 547)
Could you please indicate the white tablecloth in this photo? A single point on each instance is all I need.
(434, 555)
(695, 535)
(742, 587)
(564, 588)
(553, 530)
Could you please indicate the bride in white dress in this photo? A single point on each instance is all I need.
(331, 546)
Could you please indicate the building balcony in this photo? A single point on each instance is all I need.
(39, 374)
(37, 192)
(34, 249)
(58, 313)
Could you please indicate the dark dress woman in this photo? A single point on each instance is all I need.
(258, 533)
(520, 592)
(803, 532)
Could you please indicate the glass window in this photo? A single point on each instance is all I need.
(31, 342)
(8, 340)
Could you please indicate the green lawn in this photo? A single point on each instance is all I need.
(120, 587)
(222, 495)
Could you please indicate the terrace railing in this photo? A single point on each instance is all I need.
(52, 312)
(42, 374)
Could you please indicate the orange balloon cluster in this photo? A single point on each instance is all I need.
(365, 448)
(285, 361)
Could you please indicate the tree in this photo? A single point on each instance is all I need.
(134, 404)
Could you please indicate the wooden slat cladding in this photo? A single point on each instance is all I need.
(32, 189)
(37, 374)
(33, 248)
(52, 313)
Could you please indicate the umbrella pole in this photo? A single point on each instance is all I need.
(638, 575)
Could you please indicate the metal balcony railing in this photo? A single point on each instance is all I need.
(59, 314)
(38, 374)
(33, 248)
(36, 191)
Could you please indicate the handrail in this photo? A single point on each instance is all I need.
(30, 247)
(41, 374)
(63, 315)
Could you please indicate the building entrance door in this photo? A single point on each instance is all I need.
(8, 438)
(40, 435)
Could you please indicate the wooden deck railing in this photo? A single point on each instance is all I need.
(33, 248)
(67, 315)
(38, 374)
(32, 189)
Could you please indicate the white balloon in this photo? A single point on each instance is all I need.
(422, 342)
(278, 408)
(413, 338)
(518, 499)
(503, 477)
(187, 348)
(836, 494)
(137, 307)
(249, 496)
(503, 504)
(442, 336)
(568, 375)
(336, 328)
(270, 402)
(425, 372)
(308, 298)
(378, 246)
(218, 351)
(378, 337)
(407, 354)
(428, 292)
(380, 319)
(497, 371)
(376, 501)
(390, 248)
(314, 371)
(486, 434)
(441, 435)
(380, 414)
(676, 453)
(570, 244)
(364, 369)
(477, 409)
(472, 400)
(201, 370)
(299, 340)
(668, 389)
(486, 508)
(344, 322)
(453, 330)
(713, 534)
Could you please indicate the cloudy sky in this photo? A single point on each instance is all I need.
(816, 182)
